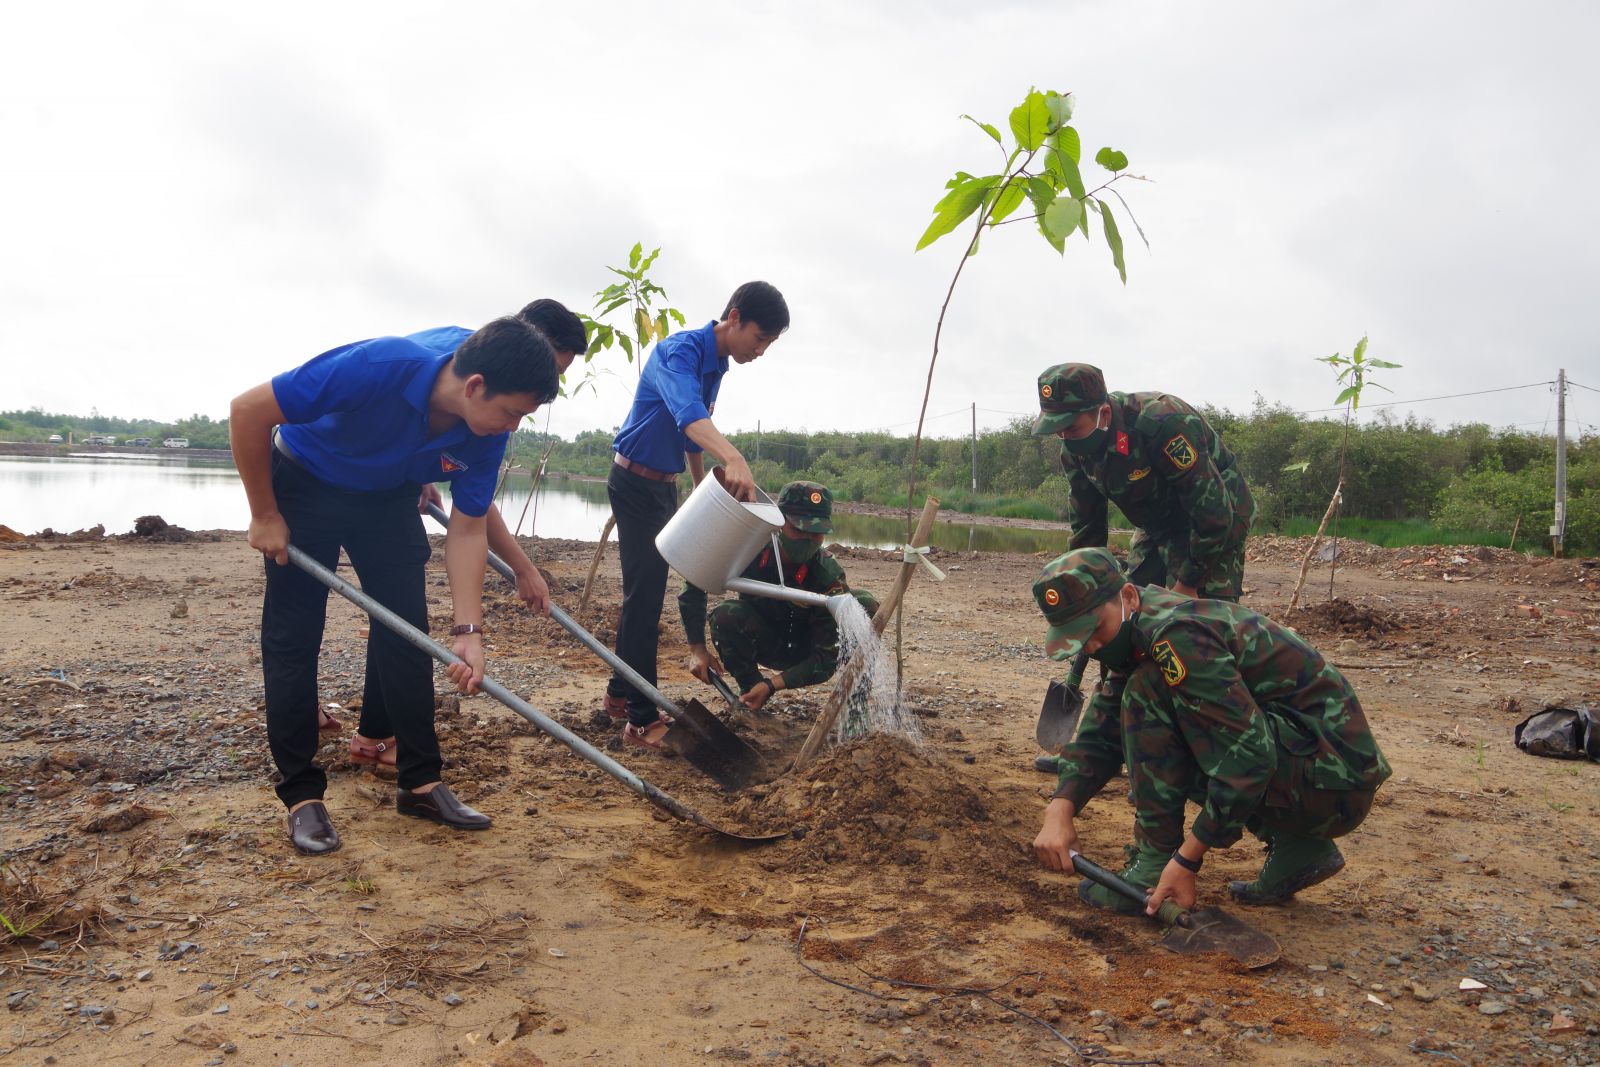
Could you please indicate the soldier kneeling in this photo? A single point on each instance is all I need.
(800, 642)
(1223, 707)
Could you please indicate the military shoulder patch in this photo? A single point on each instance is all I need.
(1181, 452)
(1166, 657)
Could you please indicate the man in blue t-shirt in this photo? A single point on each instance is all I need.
(567, 337)
(668, 426)
(333, 454)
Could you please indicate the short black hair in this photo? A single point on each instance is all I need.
(563, 328)
(761, 303)
(513, 355)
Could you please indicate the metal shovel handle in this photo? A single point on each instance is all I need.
(567, 623)
(1169, 913)
(549, 726)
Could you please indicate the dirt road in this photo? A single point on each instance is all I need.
(177, 926)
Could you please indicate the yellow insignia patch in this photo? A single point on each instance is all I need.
(816, 498)
(1044, 391)
(1166, 657)
(1181, 452)
(1140, 473)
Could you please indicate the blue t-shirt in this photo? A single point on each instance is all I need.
(440, 339)
(679, 386)
(358, 419)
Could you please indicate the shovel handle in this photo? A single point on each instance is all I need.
(1074, 676)
(1169, 913)
(727, 692)
(420, 640)
(612, 660)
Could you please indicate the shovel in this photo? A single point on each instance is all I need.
(727, 692)
(422, 641)
(1192, 933)
(1063, 704)
(703, 740)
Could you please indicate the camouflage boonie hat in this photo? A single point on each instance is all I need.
(1068, 590)
(1066, 391)
(808, 505)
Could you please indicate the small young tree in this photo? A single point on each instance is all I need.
(1354, 374)
(1042, 169)
(645, 323)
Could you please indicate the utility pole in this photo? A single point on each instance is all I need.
(758, 440)
(1558, 529)
(974, 446)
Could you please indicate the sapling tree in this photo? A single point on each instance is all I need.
(644, 322)
(1354, 374)
(1039, 169)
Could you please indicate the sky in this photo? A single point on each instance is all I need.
(197, 196)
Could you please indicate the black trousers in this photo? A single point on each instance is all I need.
(383, 535)
(641, 507)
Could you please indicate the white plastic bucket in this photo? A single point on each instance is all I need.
(713, 537)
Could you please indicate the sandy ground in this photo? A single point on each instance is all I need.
(165, 919)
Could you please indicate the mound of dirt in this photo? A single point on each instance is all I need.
(880, 802)
(1342, 617)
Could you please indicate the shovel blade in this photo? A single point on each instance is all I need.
(1058, 718)
(1208, 930)
(707, 744)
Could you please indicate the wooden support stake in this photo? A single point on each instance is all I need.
(594, 564)
(848, 674)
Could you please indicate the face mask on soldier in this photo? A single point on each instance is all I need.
(799, 550)
(1091, 443)
(1117, 653)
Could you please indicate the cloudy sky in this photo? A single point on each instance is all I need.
(196, 196)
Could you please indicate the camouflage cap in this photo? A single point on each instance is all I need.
(1068, 591)
(808, 505)
(1066, 391)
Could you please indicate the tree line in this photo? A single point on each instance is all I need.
(1467, 478)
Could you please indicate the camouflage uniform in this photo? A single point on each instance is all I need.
(1223, 707)
(1168, 471)
(802, 642)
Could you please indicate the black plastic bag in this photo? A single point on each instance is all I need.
(1561, 733)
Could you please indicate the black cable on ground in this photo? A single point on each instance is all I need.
(1087, 1053)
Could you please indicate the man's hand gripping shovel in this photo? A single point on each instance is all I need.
(1191, 933)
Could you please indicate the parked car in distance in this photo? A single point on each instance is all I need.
(175, 442)
(55, 439)
(139, 442)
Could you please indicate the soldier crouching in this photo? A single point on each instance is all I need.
(1223, 707)
(801, 643)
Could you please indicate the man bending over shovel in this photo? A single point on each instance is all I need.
(801, 643)
(1223, 707)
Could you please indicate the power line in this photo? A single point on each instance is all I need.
(1426, 399)
(1580, 385)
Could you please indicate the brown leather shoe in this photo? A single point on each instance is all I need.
(441, 806)
(312, 832)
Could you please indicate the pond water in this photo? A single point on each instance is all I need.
(75, 492)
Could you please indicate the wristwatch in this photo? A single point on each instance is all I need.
(463, 628)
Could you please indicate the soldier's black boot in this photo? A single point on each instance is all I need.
(1047, 764)
(1293, 863)
(1143, 870)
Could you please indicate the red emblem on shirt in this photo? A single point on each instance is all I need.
(450, 464)
(1122, 443)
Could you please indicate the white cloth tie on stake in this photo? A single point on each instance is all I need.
(920, 555)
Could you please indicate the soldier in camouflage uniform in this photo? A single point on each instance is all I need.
(801, 642)
(1222, 707)
(1158, 460)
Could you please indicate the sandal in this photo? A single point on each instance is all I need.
(650, 735)
(326, 723)
(372, 753)
(616, 708)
